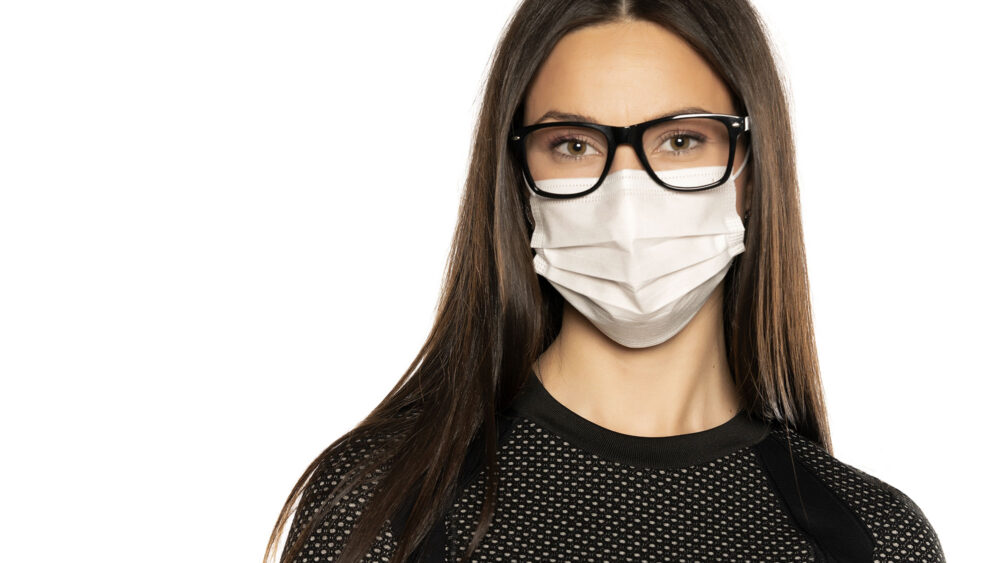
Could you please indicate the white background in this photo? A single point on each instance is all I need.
(223, 229)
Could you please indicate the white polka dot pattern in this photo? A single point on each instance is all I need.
(901, 531)
(560, 503)
(326, 542)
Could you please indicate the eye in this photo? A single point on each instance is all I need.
(575, 147)
(681, 142)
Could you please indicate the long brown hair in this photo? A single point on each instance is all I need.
(495, 316)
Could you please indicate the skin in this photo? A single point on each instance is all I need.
(624, 73)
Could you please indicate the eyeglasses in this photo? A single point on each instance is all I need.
(702, 144)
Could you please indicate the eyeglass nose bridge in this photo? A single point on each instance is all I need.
(630, 135)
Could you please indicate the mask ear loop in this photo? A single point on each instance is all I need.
(746, 159)
(527, 215)
(524, 196)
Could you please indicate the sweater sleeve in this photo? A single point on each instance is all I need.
(326, 542)
(925, 543)
(899, 529)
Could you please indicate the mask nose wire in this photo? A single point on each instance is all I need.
(746, 158)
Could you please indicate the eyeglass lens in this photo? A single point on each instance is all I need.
(558, 153)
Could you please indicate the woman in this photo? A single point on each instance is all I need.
(623, 364)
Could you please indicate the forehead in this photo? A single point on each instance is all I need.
(622, 73)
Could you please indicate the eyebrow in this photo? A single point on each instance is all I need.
(568, 116)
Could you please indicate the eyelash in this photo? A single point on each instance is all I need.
(689, 134)
(562, 139)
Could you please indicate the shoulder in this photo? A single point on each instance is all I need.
(898, 528)
(326, 541)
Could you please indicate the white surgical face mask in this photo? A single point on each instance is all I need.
(635, 258)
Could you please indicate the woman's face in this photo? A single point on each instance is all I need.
(628, 72)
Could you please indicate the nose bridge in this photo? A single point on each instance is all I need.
(625, 156)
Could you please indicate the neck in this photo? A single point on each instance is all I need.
(680, 386)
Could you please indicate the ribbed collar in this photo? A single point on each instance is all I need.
(535, 402)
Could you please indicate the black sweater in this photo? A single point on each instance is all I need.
(571, 490)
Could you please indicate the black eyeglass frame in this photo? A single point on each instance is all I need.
(631, 135)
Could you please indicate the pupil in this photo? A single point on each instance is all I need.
(679, 142)
(577, 146)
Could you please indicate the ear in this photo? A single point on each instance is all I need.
(747, 185)
(747, 195)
